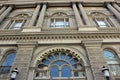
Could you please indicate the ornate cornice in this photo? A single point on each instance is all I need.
(12, 35)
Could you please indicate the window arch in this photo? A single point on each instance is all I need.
(17, 21)
(59, 20)
(101, 20)
(60, 64)
(8, 62)
(113, 62)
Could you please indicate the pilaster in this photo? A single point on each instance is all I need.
(95, 56)
(34, 17)
(77, 15)
(41, 15)
(3, 9)
(84, 15)
(5, 13)
(113, 10)
(116, 6)
(23, 58)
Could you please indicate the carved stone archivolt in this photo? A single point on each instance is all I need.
(59, 50)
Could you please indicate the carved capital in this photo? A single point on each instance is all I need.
(92, 43)
(27, 43)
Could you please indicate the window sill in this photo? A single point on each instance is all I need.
(61, 78)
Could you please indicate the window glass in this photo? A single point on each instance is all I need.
(66, 71)
(17, 25)
(8, 62)
(59, 23)
(67, 23)
(59, 20)
(102, 20)
(52, 23)
(112, 61)
(101, 23)
(54, 71)
(62, 65)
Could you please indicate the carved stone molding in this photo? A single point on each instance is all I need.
(80, 36)
(92, 43)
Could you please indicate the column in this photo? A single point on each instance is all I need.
(77, 15)
(31, 73)
(34, 17)
(23, 58)
(5, 13)
(95, 56)
(88, 73)
(116, 6)
(41, 15)
(113, 10)
(3, 9)
(84, 15)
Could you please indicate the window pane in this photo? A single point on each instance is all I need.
(63, 55)
(52, 23)
(50, 57)
(46, 61)
(17, 25)
(9, 60)
(66, 71)
(56, 55)
(69, 57)
(67, 23)
(101, 23)
(60, 63)
(54, 71)
(115, 69)
(59, 23)
(112, 61)
(73, 61)
(76, 74)
(109, 55)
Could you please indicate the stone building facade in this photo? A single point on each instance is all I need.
(59, 39)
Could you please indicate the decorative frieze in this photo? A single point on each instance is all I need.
(80, 36)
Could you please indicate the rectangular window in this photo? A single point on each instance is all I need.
(102, 22)
(59, 23)
(17, 24)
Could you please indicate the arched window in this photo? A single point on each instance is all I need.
(59, 20)
(17, 22)
(60, 64)
(7, 63)
(112, 61)
(101, 20)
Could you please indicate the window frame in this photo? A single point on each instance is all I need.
(58, 16)
(68, 63)
(96, 16)
(12, 26)
(115, 73)
(4, 59)
(20, 17)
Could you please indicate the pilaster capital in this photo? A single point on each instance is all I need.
(29, 44)
(92, 43)
(107, 2)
